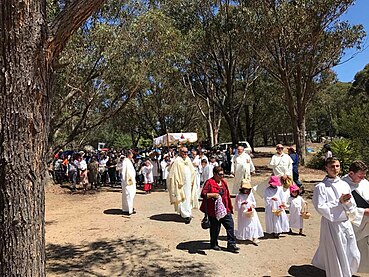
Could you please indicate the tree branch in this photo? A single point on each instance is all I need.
(67, 22)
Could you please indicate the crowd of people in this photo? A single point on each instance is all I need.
(94, 169)
(191, 177)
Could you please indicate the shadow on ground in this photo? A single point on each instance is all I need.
(114, 211)
(167, 217)
(130, 257)
(194, 247)
(306, 271)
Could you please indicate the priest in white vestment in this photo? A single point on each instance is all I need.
(337, 253)
(241, 167)
(128, 174)
(181, 185)
(358, 184)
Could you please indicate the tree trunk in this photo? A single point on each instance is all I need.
(27, 52)
(23, 136)
(210, 131)
(299, 129)
(233, 128)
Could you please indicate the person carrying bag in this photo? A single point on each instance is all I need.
(216, 189)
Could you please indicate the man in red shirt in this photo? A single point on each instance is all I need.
(213, 188)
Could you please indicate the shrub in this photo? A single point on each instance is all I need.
(343, 150)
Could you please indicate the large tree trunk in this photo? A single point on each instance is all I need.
(233, 127)
(27, 53)
(299, 131)
(24, 121)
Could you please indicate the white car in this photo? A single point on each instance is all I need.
(225, 145)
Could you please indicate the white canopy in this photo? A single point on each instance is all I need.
(175, 138)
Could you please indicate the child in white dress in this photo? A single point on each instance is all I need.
(295, 205)
(249, 227)
(276, 220)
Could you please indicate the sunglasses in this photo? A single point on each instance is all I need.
(279, 148)
(220, 174)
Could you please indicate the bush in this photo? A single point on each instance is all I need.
(317, 160)
(343, 150)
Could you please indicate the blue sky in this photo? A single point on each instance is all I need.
(356, 14)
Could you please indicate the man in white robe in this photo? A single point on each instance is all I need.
(196, 162)
(242, 167)
(281, 164)
(358, 184)
(337, 253)
(128, 174)
(181, 185)
(164, 165)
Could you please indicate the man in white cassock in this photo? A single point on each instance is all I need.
(337, 253)
(128, 174)
(241, 167)
(359, 185)
(196, 162)
(181, 185)
(281, 164)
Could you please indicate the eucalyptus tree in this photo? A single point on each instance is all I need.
(264, 116)
(361, 82)
(296, 42)
(219, 70)
(353, 121)
(327, 108)
(99, 72)
(30, 47)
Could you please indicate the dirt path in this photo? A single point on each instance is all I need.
(86, 235)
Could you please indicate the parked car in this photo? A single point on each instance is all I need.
(224, 146)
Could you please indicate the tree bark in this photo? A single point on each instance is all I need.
(24, 124)
(25, 94)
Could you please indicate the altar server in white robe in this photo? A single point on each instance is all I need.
(181, 185)
(164, 165)
(337, 253)
(196, 162)
(276, 220)
(281, 163)
(128, 174)
(249, 226)
(241, 167)
(356, 179)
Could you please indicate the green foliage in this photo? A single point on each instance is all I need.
(361, 82)
(317, 160)
(327, 109)
(113, 137)
(257, 66)
(343, 150)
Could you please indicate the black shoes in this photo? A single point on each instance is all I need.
(233, 248)
(216, 248)
(128, 213)
(187, 220)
